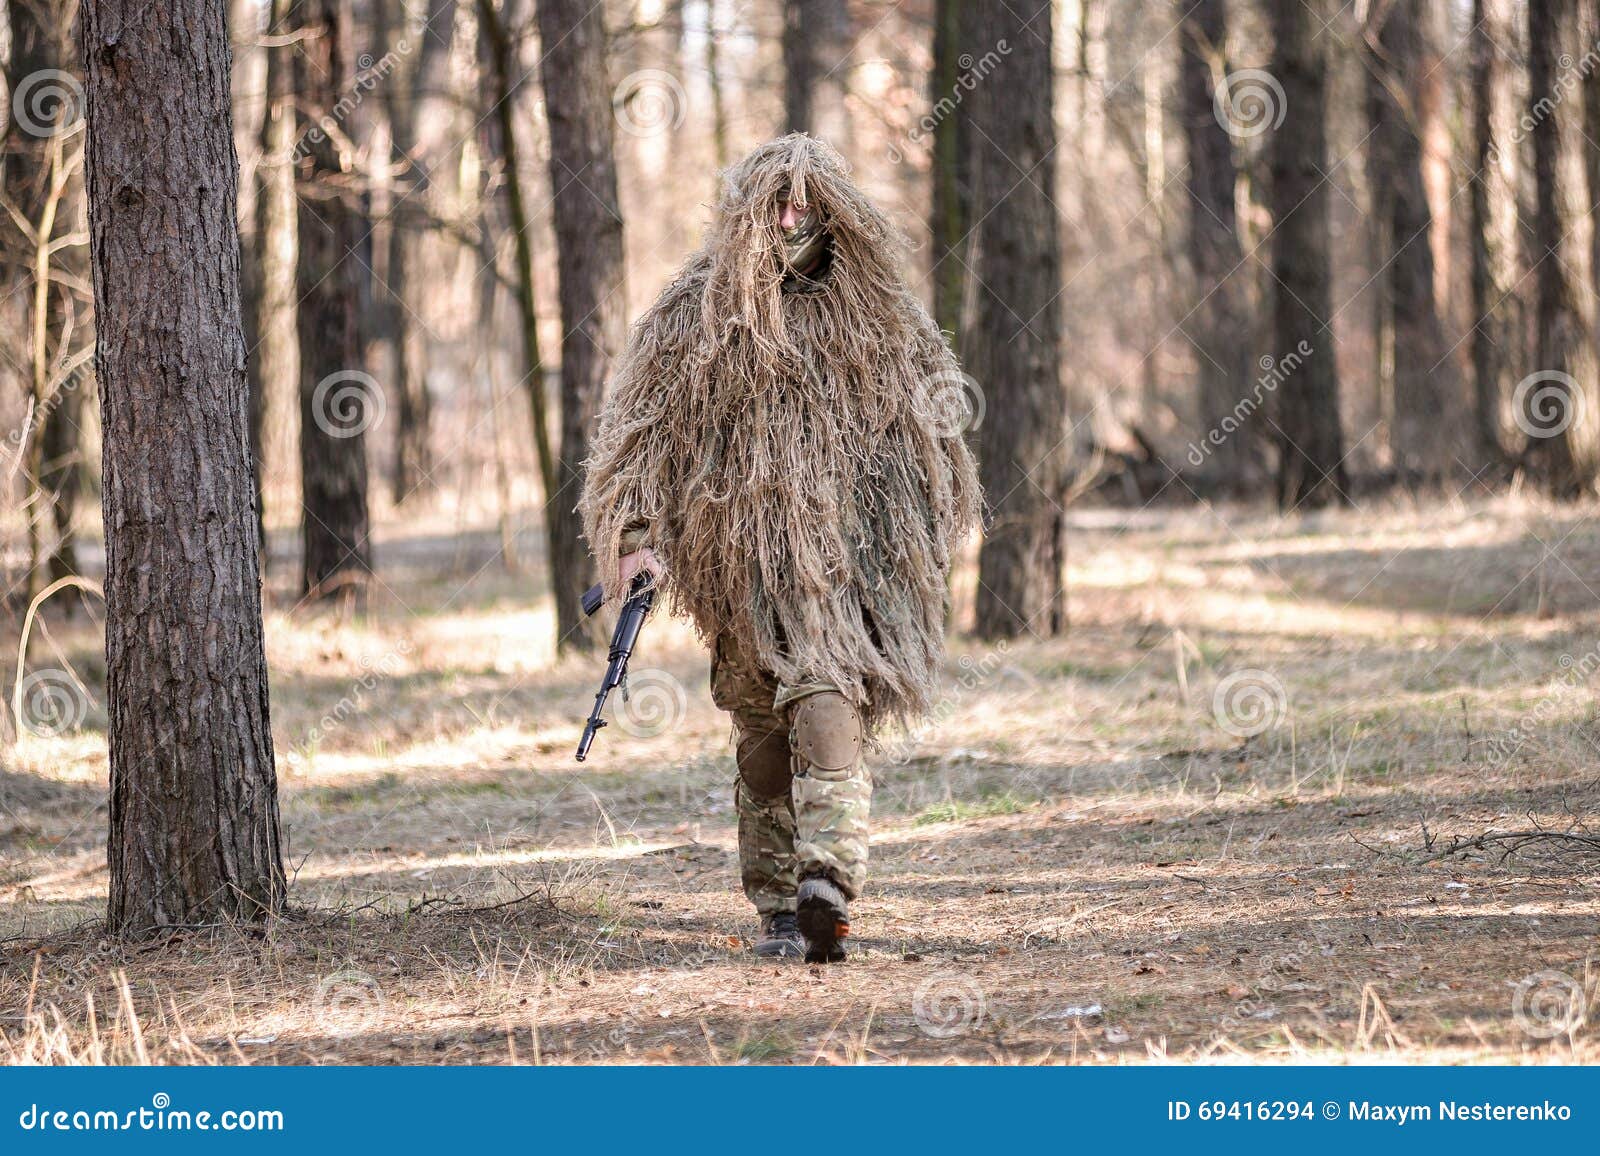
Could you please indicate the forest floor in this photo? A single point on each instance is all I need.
(1212, 822)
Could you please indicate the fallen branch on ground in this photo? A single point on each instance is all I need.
(1512, 842)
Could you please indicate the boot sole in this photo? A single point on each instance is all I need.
(786, 950)
(824, 925)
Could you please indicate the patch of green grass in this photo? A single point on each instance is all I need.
(764, 1049)
(1070, 669)
(958, 810)
(362, 794)
(1136, 1002)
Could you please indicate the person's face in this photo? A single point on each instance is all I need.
(790, 214)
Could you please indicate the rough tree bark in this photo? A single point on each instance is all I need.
(588, 225)
(1402, 103)
(1489, 332)
(1219, 327)
(816, 69)
(1013, 350)
(194, 814)
(1559, 402)
(952, 176)
(334, 387)
(1311, 469)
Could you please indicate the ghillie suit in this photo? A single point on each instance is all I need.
(790, 444)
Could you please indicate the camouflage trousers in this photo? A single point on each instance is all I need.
(803, 791)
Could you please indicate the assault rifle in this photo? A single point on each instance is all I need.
(641, 597)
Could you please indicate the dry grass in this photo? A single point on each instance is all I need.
(1076, 863)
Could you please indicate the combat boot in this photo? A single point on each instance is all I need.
(824, 919)
(780, 936)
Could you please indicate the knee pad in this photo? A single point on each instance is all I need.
(764, 764)
(826, 733)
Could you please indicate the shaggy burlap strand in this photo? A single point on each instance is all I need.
(793, 455)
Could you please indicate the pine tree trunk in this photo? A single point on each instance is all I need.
(334, 387)
(1559, 402)
(1219, 325)
(1490, 333)
(194, 813)
(1013, 351)
(588, 226)
(952, 155)
(1311, 469)
(816, 70)
(1401, 101)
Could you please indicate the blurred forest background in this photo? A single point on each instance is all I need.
(1278, 322)
(1411, 303)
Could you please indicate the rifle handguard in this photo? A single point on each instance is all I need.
(641, 597)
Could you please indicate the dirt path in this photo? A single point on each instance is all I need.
(1211, 821)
